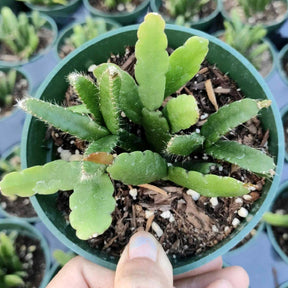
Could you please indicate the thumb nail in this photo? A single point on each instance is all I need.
(143, 246)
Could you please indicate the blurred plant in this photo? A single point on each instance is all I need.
(62, 257)
(11, 163)
(276, 219)
(7, 85)
(87, 31)
(12, 273)
(251, 7)
(19, 34)
(45, 2)
(111, 4)
(246, 39)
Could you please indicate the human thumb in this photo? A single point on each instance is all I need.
(143, 264)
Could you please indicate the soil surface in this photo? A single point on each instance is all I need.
(20, 90)
(274, 12)
(184, 225)
(122, 7)
(281, 233)
(205, 11)
(45, 39)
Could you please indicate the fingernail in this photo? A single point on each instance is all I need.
(220, 284)
(143, 247)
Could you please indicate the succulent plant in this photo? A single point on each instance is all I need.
(112, 108)
(62, 257)
(12, 273)
(246, 39)
(7, 85)
(45, 2)
(111, 4)
(276, 219)
(19, 33)
(251, 7)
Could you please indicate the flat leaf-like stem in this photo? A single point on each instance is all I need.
(129, 100)
(182, 112)
(81, 109)
(184, 145)
(62, 118)
(88, 93)
(184, 63)
(155, 123)
(91, 205)
(138, 167)
(47, 179)
(207, 185)
(244, 156)
(110, 84)
(152, 61)
(275, 219)
(229, 117)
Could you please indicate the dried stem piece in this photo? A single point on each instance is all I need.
(211, 94)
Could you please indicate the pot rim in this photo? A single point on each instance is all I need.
(282, 53)
(54, 8)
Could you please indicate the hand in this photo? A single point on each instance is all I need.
(144, 264)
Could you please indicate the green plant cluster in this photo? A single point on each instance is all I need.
(7, 85)
(251, 7)
(276, 219)
(19, 33)
(112, 108)
(111, 4)
(11, 163)
(87, 31)
(12, 273)
(246, 39)
(45, 2)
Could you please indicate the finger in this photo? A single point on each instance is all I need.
(215, 264)
(143, 264)
(235, 275)
(220, 284)
(81, 273)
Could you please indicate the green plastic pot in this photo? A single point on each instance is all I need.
(6, 156)
(284, 116)
(52, 273)
(26, 229)
(56, 10)
(272, 26)
(35, 151)
(272, 51)
(124, 18)
(283, 192)
(203, 23)
(68, 31)
(283, 54)
(284, 285)
(15, 110)
(51, 25)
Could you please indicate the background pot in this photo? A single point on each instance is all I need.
(98, 51)
(284, 115)
(51, 25)
(283, 193)
(56, 10)
(202, 24)
(24, 228)
(14, 5)
(283, 55)
(123, 18)
(68, 31)
(272, 26)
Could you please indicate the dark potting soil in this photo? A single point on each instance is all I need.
(20, 207)
(184, 225)
(20, 90)
(205, 10)
(274, 12)
(122, 7)
(281, 233)
(32, 256)
(45, 39)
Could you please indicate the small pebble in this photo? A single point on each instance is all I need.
(166, 214)
(243, 212)
(247, 197)
(214, 228)
(238, 201)
(285, 236)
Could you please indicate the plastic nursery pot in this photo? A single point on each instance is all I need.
(284, 115)
(283, 60)
(26, 229)
(202, 24)
(271, 26)
(270, 72)
(7, 156)
(284, 285)
(57, 10)
(51, 25)
(283, 196)
(15, 112)
(98, 51)
(51, 274)
(68, 31)
(123, 18)
(14, 5)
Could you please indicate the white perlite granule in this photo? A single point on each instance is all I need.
(133, 193)
(243, 212)
(195, 195)
(156, 228)
(235, 222)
